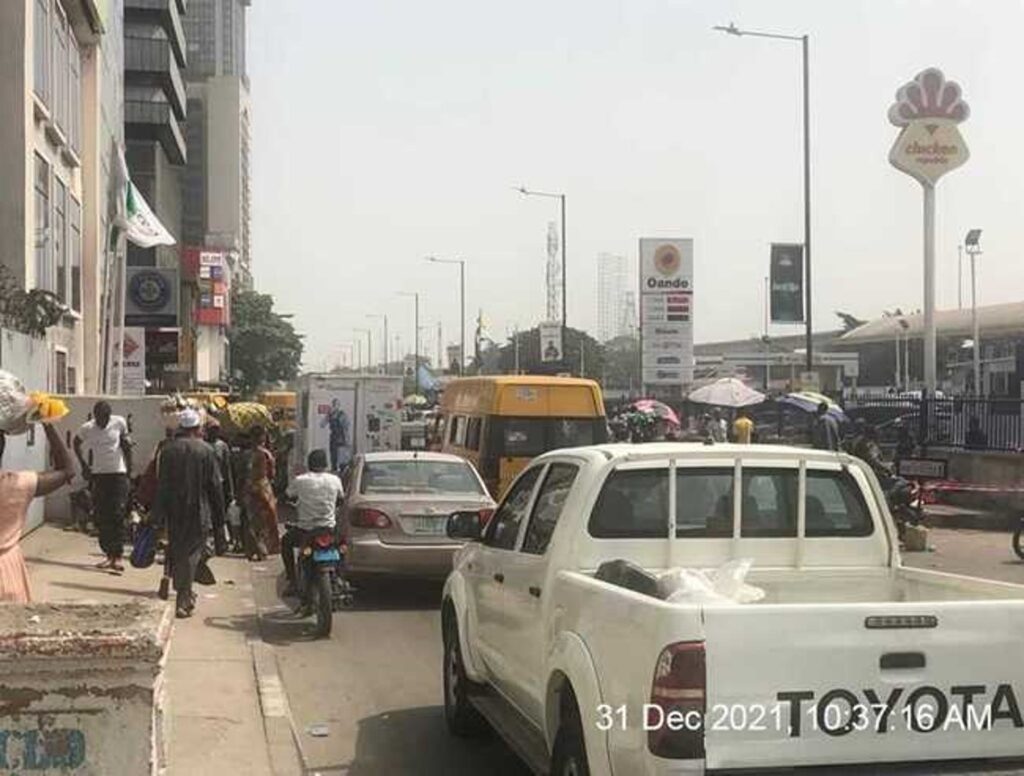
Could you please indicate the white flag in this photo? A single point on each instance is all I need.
(141, 225)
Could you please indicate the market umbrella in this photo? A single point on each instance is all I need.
(808, 401)
(657, 409)
(726, 392)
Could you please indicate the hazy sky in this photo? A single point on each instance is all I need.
(387, 131)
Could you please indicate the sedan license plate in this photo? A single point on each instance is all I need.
(327, 555)
(429, 526)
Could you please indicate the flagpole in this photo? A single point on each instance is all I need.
(123, 274)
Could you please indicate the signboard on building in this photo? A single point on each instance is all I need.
(151, 297)
(787, 283)
(666, 311)
(133, 361)
(162, 346)
(551, 342)
(212, 278)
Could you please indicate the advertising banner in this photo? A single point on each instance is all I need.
(133, 383)
(331, 414)
(152, 297)
(787, 283)
(666, 311)
(551, 342)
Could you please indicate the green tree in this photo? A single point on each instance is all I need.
(592, 358)
(622, 362)
(264, 345)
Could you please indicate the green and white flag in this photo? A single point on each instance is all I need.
(140, 223)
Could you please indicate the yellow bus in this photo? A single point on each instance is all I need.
(500, 423)
(282, 406)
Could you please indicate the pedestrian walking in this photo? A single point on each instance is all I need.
(104, 450)
(262, 506)
(190, 498)
(17, 490)
(743, 427)
(223, 453)
(825, 431)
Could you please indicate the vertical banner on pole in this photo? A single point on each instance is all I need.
(927, 110)
(787, 283)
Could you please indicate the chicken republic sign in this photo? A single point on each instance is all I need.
(928, 110)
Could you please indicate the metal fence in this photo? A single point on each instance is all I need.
(973, 423)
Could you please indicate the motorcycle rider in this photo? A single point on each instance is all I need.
(318, 494)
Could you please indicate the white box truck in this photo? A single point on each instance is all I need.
(348, 415)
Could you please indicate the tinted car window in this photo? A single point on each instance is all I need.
(548, 508)
(503, 529)
(418, 477)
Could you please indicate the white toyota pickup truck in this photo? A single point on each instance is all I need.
(556, 634)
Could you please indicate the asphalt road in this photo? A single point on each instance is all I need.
(375, 685)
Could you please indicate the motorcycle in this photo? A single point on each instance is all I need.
(904, 500)
(323, 587)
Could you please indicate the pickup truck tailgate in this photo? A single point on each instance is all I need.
(863, 683)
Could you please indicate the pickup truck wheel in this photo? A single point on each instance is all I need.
(570, 755)
(460, 716)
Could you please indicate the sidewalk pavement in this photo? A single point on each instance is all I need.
(223, 690)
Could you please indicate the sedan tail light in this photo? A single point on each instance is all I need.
(680, 680)
(370, 518)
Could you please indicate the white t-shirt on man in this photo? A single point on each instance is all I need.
(105, 445)
(317, 494)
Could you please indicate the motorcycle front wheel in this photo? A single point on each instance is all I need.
(1018, 544)
(324, 604)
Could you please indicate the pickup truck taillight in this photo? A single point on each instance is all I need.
(370, 518)
(675, 715)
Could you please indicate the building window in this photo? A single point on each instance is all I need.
(42, 219)
(59, 68)
(72, 380)
(75, 253)
(60, 246)
(41, 25)
(60, 377)
(74, 95)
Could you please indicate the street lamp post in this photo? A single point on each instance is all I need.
(973, 249)
(369, 345)
(561, 197)
(732, 29)
(385, 339)
(416, 328)
(462, 306)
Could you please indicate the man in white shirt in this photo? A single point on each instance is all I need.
(318, 493)
(104, 451)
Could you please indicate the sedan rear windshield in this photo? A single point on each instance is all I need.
(418, 477)
(633, 504)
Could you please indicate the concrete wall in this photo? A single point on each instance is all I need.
(143, 413)
(81, 688)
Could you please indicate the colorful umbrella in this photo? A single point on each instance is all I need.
(808, 401)
(657, 409)
(726, 392)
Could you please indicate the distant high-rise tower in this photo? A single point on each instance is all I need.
(613, 319)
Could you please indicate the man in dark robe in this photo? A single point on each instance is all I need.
(190, 499)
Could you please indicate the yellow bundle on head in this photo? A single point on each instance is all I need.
(47, 408)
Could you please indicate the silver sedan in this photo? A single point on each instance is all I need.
(397, 509)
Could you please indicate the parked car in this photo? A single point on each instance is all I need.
(561, 634)
(396, 510)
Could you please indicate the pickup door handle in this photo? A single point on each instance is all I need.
(535, 591)
(499, 578)
(902, 660)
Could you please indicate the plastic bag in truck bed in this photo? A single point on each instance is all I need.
(722, 585)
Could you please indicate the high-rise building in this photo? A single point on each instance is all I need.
(60, 98)
(217, 182)
(612, 300)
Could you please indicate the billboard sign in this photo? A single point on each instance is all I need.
(666, 311)
(927, 110)
(132, 359)
(787, 283)
(152, 297)
(551, 342)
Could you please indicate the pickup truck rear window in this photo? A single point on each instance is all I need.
(633, 504)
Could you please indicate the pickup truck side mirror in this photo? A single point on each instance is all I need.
(464, 525)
